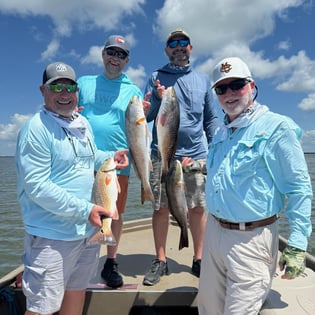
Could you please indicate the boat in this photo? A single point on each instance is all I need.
(176, 293)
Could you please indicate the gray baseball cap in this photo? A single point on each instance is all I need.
(117, 41)
(58, 70)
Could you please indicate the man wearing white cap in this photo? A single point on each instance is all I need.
(255, 163)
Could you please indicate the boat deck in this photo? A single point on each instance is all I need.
(136, 251)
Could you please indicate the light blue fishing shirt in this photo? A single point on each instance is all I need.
(258, 170)
(105, 102)
(55, 175)
(198, 118)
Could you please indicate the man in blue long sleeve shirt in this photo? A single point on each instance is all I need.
(256, 168)
(198, 121)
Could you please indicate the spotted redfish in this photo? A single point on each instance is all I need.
(105, 194)
(138, 136)
(167, 123)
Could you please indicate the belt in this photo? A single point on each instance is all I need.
(246, 226)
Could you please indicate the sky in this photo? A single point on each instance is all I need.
(273, 37)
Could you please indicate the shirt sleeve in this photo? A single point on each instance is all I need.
(286, 162)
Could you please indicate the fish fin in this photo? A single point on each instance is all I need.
(104, 235)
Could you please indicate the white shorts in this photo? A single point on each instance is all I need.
(53, 266)
(237, 268)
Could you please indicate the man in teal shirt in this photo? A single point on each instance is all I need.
(105, 98)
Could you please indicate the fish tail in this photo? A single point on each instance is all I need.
(164, 175)
(183, 241)
(146, 194)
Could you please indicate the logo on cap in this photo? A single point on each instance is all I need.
(120, 40)
(60, 67)
(225, 67)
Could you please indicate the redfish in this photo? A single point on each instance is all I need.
(175, 190)
(105, 194)
(138, 136)
(167, 124)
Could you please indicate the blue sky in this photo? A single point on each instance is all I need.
(273, 37)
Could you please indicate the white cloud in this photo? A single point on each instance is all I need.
(83, 15)
(284, 45)
(94, 56)
(308, 103)
(137, 75)
(8, 134)
(51, 50)
(211, 25)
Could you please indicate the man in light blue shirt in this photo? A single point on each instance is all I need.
(256, 168)
(56, 158)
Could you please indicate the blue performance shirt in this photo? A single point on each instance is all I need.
(55, 175)
(258, 170)
(105, 102)
(198, 119)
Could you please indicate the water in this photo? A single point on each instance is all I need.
(12, 231)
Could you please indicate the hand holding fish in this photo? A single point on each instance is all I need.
(121, 159)
(160, 89)
(97, 212)
(187, 162)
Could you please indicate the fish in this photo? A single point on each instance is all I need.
(105, 193)
(138, 137)
(167, 124)
(175, 191)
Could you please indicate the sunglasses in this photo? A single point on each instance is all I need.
(120, 54)
(58, 87)
(182, 43)
(234, 86)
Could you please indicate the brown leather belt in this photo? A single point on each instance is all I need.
(246, 226)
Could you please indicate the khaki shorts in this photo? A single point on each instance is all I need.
(194, 177)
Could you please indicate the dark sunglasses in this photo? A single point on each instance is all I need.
(182, 43)
(58, 87)
(120, 54)
(234, 86)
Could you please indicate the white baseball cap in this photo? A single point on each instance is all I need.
(232, 67)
